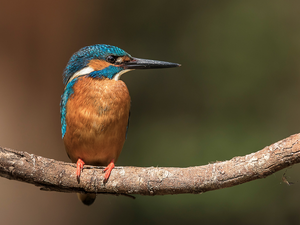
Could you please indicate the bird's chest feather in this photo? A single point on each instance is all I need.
(96, 120)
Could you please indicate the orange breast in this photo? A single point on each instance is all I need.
(97, 117)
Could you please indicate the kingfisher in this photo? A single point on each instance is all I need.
(95, 106)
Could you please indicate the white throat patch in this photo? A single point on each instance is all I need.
(118, 75)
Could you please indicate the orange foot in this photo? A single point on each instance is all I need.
(80, 165)
(108, 170)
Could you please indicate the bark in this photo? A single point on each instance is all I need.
(60, 176)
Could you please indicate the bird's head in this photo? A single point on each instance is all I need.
(107, 61)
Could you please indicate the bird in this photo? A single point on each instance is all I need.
(95, 106)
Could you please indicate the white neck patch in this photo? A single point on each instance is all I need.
(118, 75)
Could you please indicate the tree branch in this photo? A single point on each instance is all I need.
(60, 176)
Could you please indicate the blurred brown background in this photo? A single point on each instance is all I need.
(236, 92)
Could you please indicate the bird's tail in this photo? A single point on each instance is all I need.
(86, 199)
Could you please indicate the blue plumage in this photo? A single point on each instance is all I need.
(81, 58)
(108, 72)
(64, 99)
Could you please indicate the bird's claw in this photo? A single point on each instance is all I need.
(108, 170)
(79, 169)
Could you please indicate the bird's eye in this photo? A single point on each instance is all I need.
(111, 59)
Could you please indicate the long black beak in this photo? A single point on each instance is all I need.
(136, 63)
